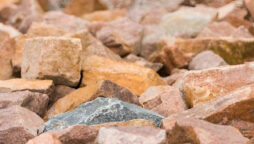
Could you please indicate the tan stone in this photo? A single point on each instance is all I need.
(175, 76)
(164, 100)
(61, 91)
(7, 32)
(45, 139)
(6, 11)
(188, 130)
(105, 16)
(104, 88)
(134, 77)
(59, 59)
(249, 5)
(246, 128)
(114, 4)
(79, 7)
(204, 85)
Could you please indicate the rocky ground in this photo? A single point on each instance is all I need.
(126, 72)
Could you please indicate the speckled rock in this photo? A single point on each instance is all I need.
(101, 110)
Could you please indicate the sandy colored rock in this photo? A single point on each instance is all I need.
(250, 4)
(18, 125)
(115, 4)
(61, 91)
(6, 11)
(105, 16)
(60, 59)
(131, 134)
(134, 77)
(122, 36)
(246, 128)
(104, 88)
(164, 100)
(7, 32)
(204, 85)
(33, 101)
(45, 139)
(188, 130)
(79, 7)
(175, 76)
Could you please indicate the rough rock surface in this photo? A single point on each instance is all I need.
(45, 139)
(101, 110)
(105, 16)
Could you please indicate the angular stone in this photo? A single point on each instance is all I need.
(206, 59)
(105, 16)
(122, 36)
(6, 68)
(133, 135)
(61, 91)
(249, 5)
(99, 111)
(141, 61)
(6, 11)
(104, 88)
(113, 4)
(251, 141)
(134, 77)
(188, 130)
(246, 128)
(79, 7)
(204, 85)
(59, 60)
(176, 75)
(33, 101)
(18, 125)
(7, 32)
(45, 139)
(153, 17)
(164, 100)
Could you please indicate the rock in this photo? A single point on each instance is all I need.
(206, 59)
(101, 110)
(164, 100)
(246, 128)
(59, 61)
(134, 77)
(104, 88)
(6, 53)
(61, 91)
(33, 101)
(18, 125)
(249, 5)
(105, 15)
(141, 61)
(153, 16)
(122, 36)
(113, 4)
(45, 139)
(175, 76)
(188, 130)
(204, 85)
(6, 10)
(134, 135)
(236, 105)
(7, 32)
(251, 141)
(79, 7)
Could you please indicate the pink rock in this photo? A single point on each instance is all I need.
(45, 139)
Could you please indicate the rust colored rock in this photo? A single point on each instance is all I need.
(33, 101)
(134, 77)
(18, 125)
(188, 130)
(176, 75)
(164, 100)
(104, 88)
(130, 134)
(105, 16)
(45, 139)
(205, 60)
(60, 59)
(122, 36)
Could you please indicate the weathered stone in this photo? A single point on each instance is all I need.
(206, 59)
(175, 76)
(115, 4)
(59, 60)
(130, 134)
(18, 125)
(105, 16)
(204, 85)
(153, 17)
(7, 32)
(6, 11)
(61, 91)
(246, 128)
(122, 36)
(251, 141)
(134, 77)
(101, 110)
(164, 100)
(141, 61)
(104, 88)
(79, 7)
(188, 130)
(45, 139)
(249, 5)
(33, 101)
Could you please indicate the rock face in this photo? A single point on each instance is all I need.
(206, 59)
(164, 100)
(18, 125)
(33, 101)
(104, 89)
(175, 76)
(204, 85)
(59, 59)
(197, 131)
(101, 110)
(105, 16)
(45, 139)
(61, 91)
(134, 77)
(250, 4)
(134, 135)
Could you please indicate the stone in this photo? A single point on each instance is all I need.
(116, 4)
(99, 111)
(246, 128)
(7, 32)
(204, 85)
(134, 77)
(6, 53)
(122, 36)
(79, 7)
(189, 130)
(61, 91)
(105, 15)
(18, 125)
(176, 75)
(251, 141)
(104, 88)
(45, 139)
(236, 105)
(164, 100)
(33, 101)
(143, 62)
(249, 5)
(60, 59)
(206, 59)
(6, 11)
(153, 16)
(130, 134)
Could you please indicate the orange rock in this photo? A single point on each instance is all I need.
(45, 139)
(105, 16)
(79, 7)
